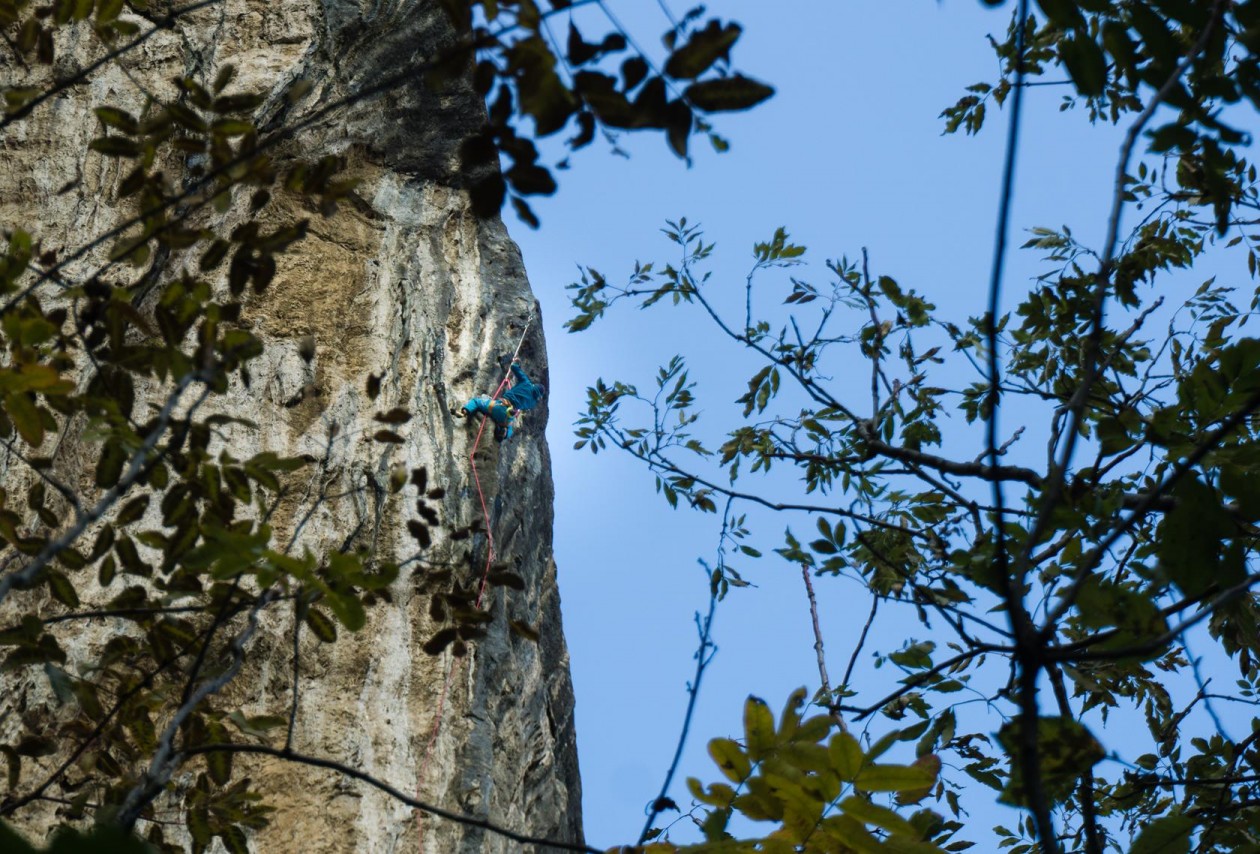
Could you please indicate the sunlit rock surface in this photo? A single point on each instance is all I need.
(404, 283)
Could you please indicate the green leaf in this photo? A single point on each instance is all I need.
(110, 464)
(31, 745)
(704, 48)
(730, 757)
(14, 775)
(62, 589)
(348, 609)
(115, 146)
(1156, 37)
(258, 725)
(869, 813)
(758, 727)
(323, 628)
(1085, 63)
(108, 11)
(1103, 603)
(1168, 835)
(1067, 749)
(116, 118)
(25, 417)
(893, 778)
(1244, 487)
(67, 840)
(197, 820)
(1064, 13)
(234, 839)
(726, 94)
(846, 756)
(1189, 542)
(132, 510)
(218, 763)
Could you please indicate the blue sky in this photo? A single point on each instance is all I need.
(848, 154)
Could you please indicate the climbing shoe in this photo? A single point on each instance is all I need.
(500, 432)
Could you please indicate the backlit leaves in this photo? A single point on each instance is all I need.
(792, 772)
(702, 49)
(606, 84)
(726, 94)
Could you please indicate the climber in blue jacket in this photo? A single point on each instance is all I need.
(523, 395)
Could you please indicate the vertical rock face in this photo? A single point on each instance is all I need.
(404, 283)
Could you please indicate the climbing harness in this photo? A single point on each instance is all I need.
(436, 730)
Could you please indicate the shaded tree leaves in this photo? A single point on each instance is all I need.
(702, 49)
(725, 94)
(1067, 749)
(1191, 538)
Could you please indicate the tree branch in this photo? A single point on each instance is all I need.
(704, 654)
(165, 23)
(918, 678)
(458, 818)
(138, 465)
(165, 760)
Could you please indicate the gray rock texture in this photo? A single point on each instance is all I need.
(403, 282)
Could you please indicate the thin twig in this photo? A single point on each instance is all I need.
(704, 655)
(297, 669)
(1057, 478)
(1029, 759)
(123, 612)
(1085, 784)
(284, 134)
(921, 677)
(818, 638)
(9, 807)
(870, 619)
(1163, 638)
(165, 760)
(165, 23)
(140, 463)
(65, 491)
(355, 773)
(1146, 505)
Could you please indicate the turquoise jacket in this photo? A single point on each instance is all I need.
(526, 394)
(496, 410)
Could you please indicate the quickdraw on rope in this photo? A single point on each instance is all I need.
(436, 729)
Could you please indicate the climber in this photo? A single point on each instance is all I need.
(502, 410)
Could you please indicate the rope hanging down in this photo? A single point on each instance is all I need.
(485, 574)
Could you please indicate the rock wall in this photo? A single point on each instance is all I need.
(405, 283)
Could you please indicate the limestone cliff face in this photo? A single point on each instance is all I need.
(404, 283)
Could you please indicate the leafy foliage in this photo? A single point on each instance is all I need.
(822, 791)
(604, 86)
(1060, 587)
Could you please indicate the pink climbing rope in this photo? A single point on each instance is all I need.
(436, 729)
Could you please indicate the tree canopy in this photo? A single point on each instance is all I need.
(1058, 574)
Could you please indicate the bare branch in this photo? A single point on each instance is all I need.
(355, 773)
(704, 654)
(857, 649)
(165, 760)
